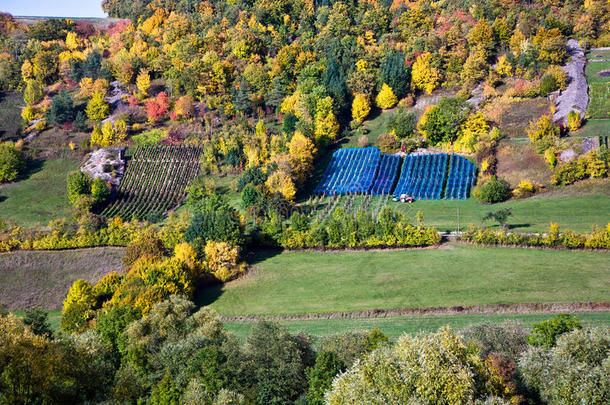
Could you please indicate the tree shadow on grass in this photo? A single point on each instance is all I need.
(514, 226)
(32, 167)
(207, 294)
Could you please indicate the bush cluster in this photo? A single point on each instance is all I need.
(495, 190)
(341, 230)
(591, 165)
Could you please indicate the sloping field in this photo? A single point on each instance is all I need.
(39, 197)
(42, 278)
(315, 282)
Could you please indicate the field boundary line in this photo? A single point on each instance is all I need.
(114, 247)
(489, 309)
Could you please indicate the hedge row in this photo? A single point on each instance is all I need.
(599, 238)
(62, 236)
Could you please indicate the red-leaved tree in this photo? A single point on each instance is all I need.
(156, 108)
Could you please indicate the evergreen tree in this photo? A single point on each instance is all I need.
(276, 94)
(62, 109)
(336, 85)
(327, 366)
(241, 100)
(393, 72)
(80, 122)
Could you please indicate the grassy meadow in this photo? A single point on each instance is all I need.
(396, 326)
(39, 196)
(317, 282)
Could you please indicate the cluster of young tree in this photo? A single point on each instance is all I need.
(343, 230)
(178, 353)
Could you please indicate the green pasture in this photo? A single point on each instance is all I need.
(39, 196)
(599, 100)
(453, 274)
(592, 71)
(396, 326)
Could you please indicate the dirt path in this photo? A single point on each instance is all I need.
(576, 95)
(525, 308)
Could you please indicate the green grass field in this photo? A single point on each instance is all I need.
(396, 326)
(599, 100)
(598, 54)
(593, 128)
(577, 207)
(40, 196)
(593, 69)
(316, 282)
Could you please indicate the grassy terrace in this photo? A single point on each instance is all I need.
(40, 196)
(396, 326)
(314, 282)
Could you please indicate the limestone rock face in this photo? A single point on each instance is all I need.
(107, 164)
(576, 96)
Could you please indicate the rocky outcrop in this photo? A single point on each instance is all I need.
(107, 164)
(576, 96)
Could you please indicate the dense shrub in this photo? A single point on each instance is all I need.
(507, 338)
(593, 165)
(544, 134)
(79, 184)
(11, 162)
(574, 371)
(402, 124)
(495, 190)
(547, 85)
(545, 333)
(342, 230)
(442, 123)
(418, 364)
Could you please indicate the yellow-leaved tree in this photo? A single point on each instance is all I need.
(326, 126)
(474, 126)
(301, 151)
(386, 97)
(360, 108)
(97, 108)
(78, 306)
(281, 182)
(503, 67)
(72, 41)
(143, 82)
(424, 76)
(223, 260)
(109, 134)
